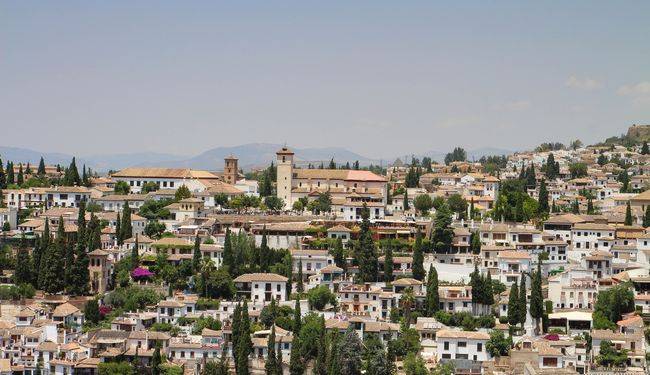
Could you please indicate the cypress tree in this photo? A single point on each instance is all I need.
(156, 361)
(85, 181)
(646, 217)
(366, 255)
(37, 253)
(93, 233)
(296, 365)
(339, 254)
(551, 173)
(475, 283)
(418, 258)
(23, 272)
(514, 317)
(227, 251)
(432, 297)
(127, 229)
(196, 256)
(135, 255)
(21, 178)
(10, 173)
(271, 365)
(522, 308)
(320, 367)
(536, 297)
(543, 198)
(406, 200)
(54, 262)
(44, 248)
(41, 167)
(236, 327)
(488, 293)
(644, 149)
(334, 355)
(264, 252)
(297, 318)
(590, 207)
(3, 176)
(71, 177)
(80, 275)
(628, 214)
(300, 287)
(245, 345)
(118, 230)
(69, 263)
(388, 263)
(81, 222)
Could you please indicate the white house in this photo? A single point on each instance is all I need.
(463, 345)
(261, 287)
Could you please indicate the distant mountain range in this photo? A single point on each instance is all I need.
(250, 155)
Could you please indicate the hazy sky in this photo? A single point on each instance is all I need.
(380, 78)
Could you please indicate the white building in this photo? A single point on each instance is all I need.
(461, 345)
(165, 178)
(8, 215)
(262, 287)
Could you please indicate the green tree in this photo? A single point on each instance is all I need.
(320, 365)
(644, 149)
(388, 263)
(54, 262)
(126, 227)
(271, 366)
(543, 208)
(418, 258)
(536, 297)
(135, 254)
(156, 361)
(71, 176)
(513, 305)
(273, 203)
(24, 266)
(406, 200)
(296, 364)
(196, 254)
(41, 167)
(646, 217)
(339, 254)
(522, 308)
(432, 297)
(183, 192)
(498, 345)
(121, 188)
(423, 203)
(320, 296)
(443, 234)
(613, 303)
(366, 254)
(91, 311)
(457, 204)
(414, 365)
(244, 345)
(118, 229)
(609, 356)
(628, 214)
(350, 353)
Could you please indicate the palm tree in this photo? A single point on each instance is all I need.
(407, 302)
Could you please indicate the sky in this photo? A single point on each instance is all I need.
(380, 78)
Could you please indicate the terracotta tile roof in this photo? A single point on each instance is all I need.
(252, 277)
(175, 173)
(456, 334)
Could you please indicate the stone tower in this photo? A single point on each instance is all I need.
(231, 170)
(284, 175)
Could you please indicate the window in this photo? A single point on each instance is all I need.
(446, 345)
(462, 344)
(479, 347)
